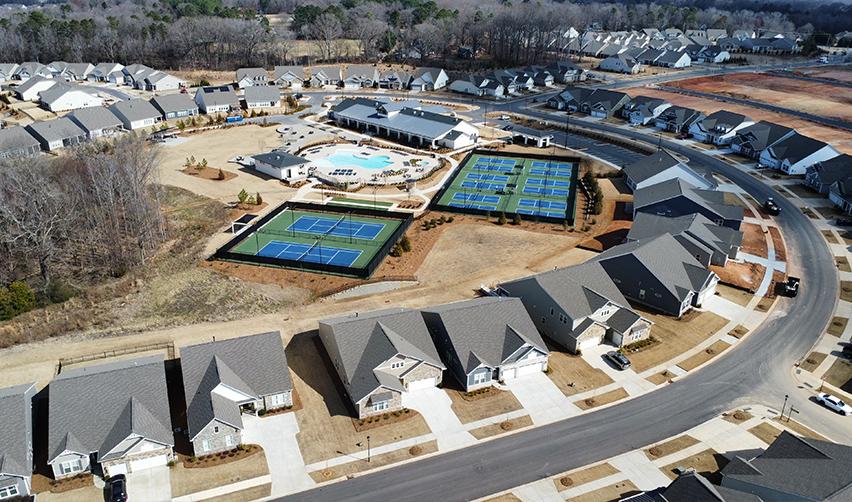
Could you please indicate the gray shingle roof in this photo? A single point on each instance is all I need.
(94, 408)
(135, 109)
(172, 103)
(696, 226)
(419, 122)
(693, 487)
(364, 341)
(650, 165)
(761, 134)
(676, 187)
(16, 430)
(14, 138)
(277, 158)
(680, 116)
(297, 71)
(486, 330)
(216, 96)
(262, 94)
(670, 57)
(722, 119)
(796, 147)
(57, 91)
(834, 169)
(94, 118)
(252, 73)
(807, 468)
(57, 129)
(254, 365)
(29, 84)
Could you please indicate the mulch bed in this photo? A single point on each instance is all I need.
(43, 483)
(209, 173)
(297, 405)
(224, 457)
(391, 417)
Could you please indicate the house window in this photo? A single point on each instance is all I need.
(479, 378)
(398, 364)
(71, 466)
(380, 406)
(215, 429)
(551, 311)
(641, 294)
(9, 491)
(229, 441)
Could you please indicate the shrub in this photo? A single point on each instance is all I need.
(16, 299)
(501, 218)
(442, 219)
(171, 463)
(203, 163)
(250, 200)
(258, 199)
(566, 481)
(242, 196)
(405, 244)
(450, 219)
(516, 219)
(193, 459)
(59, 292)
(203, 82)
(415, 450)
(220, 175)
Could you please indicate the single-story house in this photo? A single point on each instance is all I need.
(159, 81)
(16, 442)
(30, 69)
(660, 273)
(7, 71)
(485, 340)
(398, 122)
(136, 113)
(264, 96)
(565, 72)
(677, 119)
(135, 75)
(113, 414)
(570, 98)
(220, 99)
(650, 55)
(795, 153)
(29, 90)
(63, 97)
(381, 355)
(174, 106)
(578, 307)
(794, 468)
(662, 166)
(676, 197)
(97, 121)
(224, 379)
(821, 175)
(603, 103)
(322, 77)
(751, 141)
(247, 77)
(674, 59)
(105, 72)
(620, 63)
(709, 243)
(467, 86)
(713, 54)
(394, 79)
(840, 194)
(57, 133)
(428, 79)
(282, 165)
(358, 76)
(719, 128)
(17, 141)
(289, 77)
(642, 110)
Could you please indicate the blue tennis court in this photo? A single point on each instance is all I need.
(536, 212)
(337, 227)
(552, 165)
(486, 167)
(545, 192)
(496, 160)
(547, 183)
(543, 204)
(472, 197)
(305, 252)
(483, 185)
(487, 177)
(559, 173)
(484, 207)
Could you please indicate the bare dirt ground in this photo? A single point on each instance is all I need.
(839, 139)
(812, 97)
(841, 73)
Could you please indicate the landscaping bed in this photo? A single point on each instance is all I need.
(765, 432)
(846, 291)
(503, 427)
(705, 355)
(737, 416)
(738, 332)
(842, 264)
(381, 460)
(223, 457)
(671, 446)
(660, 378)
(209, 173)
(839, 374)
(829, 236)
(473, 407)
(706, 463)
(572, 374)
(602, 399)
(583, 476)
(746, 276)
(837, 326)
(813, 360)
(391, 417)
(615, 491)
(42, 483)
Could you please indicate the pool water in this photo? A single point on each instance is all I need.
(348, 159)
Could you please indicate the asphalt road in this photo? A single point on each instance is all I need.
(756, 370)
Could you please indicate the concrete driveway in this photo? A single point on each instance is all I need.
(150, 485)
(277, 435)
(541, 398)
(632, 382)
(436, 407)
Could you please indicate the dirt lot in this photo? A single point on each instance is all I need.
(676, 336)
(841, 73)
(583, 476)
(839, 139)
(489, 404)
(325, 420)
(754, 240)
(572, 374)
(745, 276)
(185, 481)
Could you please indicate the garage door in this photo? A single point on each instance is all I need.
(529, 369)
(147, 463)
(117, 469)
(589, 343)
(426, 383)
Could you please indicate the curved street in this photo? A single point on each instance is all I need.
(757, 370)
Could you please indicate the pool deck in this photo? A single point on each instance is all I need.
(400, 168)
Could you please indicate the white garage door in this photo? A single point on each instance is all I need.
(147, 463)
(425, 383)
(589, 343)
(529, 369)
(117, 469)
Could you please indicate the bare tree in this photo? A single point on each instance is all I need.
(325, 29)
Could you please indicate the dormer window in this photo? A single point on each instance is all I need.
(215, 429)
(397, 364)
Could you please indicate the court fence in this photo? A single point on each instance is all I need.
(569, 199)
(227, 253)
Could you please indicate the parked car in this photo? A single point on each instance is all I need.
(117, 488)
(618, 359)
(791, 287)
(847, 350)
(771, 207)
(834, 404)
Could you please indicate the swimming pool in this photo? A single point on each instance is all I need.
(349, 159)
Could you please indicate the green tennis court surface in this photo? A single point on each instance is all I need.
(364, 203)
(329, 238)
(513, 184)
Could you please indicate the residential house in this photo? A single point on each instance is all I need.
(676, 197)
(486, 340)
(394, 79)
(248, 77)
(97, 122)
(603, 103)
(134, 74)
(642, 110)
(670, 33)
(159, 81)
(611, 49)
(379, 356)
(174, 106)
(57, 133)
(322, 77)
(565, 72)
(30, 69)
(70, 72)
(650, 56)
(262, 97)
(796, 153)
(7, 71)
(751, 141)
(571, 98)
(578, 307)
(136, 113)
(677, 119)
(289, 77)
(713, 54)
(794, 468)
(823, 174)
(620, 63)
(690, 486)
(839, 193)
(719, 127)
(107, 72)
(662, 166)
(282, 165)
(29, 90)
(358, 76)
(63, 97)
(674, 59)
(467, 86)
(16, 442)
(493, 88)
(220, 99)
(707, 242)
(225, 379)
(16, 141)
(405, 124)
(660, 273)
(114, 415)
(714, 34)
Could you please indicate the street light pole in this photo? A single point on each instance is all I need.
(785, 405)
(368, 449)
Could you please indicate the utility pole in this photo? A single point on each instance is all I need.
(784, 406)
